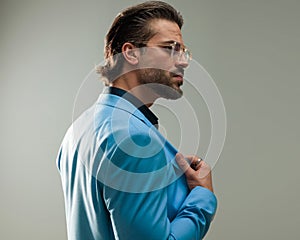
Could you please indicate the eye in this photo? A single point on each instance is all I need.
(177, 46)
(169, 47)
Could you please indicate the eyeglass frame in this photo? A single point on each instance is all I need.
(183, 50)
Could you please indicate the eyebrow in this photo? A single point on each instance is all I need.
(170, 41)
(173, 41)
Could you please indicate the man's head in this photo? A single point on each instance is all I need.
(154, 29)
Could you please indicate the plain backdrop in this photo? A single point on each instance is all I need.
(249, 47)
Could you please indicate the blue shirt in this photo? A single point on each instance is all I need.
(120, 179)
(136, 102)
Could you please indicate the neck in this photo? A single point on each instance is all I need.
(130, 83)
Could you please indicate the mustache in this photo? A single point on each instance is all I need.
(177, 71)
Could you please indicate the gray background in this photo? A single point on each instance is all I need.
(250, 48)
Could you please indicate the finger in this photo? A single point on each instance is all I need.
(196, 164)
(203, 169)
(191, 158)
(182, 161)
(194, 161)
(183, 164)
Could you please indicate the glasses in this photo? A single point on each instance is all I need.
(176, 50)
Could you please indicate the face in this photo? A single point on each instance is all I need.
(157, 66)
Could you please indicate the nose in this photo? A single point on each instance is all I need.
(182, 62)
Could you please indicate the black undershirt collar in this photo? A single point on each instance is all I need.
(136, 102)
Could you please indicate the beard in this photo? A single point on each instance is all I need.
(160, 82)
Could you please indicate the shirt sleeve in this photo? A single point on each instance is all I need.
(135, 194)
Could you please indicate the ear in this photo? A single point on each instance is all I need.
(130, 53)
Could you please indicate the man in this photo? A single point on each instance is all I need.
(121, 178)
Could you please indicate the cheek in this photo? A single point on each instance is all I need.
(156, 61)
(165, 64)
(160, 63)
(167, 73)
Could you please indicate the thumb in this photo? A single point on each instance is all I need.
(182, 162)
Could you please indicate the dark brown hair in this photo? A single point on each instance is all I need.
(133, 25)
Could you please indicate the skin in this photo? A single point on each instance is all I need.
(200, 176)
(167, 71)
(150, 74)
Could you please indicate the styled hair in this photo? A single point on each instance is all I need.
(133, 25)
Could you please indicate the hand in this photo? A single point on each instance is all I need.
(199, 176)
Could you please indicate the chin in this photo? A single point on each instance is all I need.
(172, 93)
(165, 91)
(179, 94)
